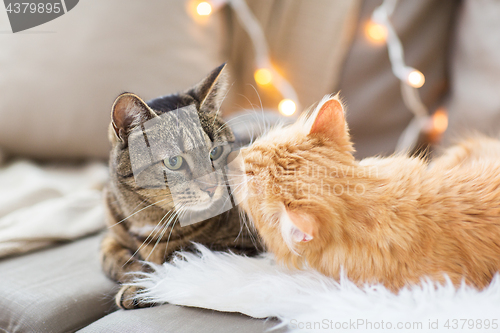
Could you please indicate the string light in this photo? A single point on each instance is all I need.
(204, 8)
(265, 73)
(378, 30)
(411, 78)
(436, 126)
(287, 107)
(416, 79)
(375, 32)
(440, 121)
(263, 76)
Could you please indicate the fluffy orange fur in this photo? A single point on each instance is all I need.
(392, 220)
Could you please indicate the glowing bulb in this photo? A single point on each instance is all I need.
(416, 79)
(287, 107)
(440, 121)
(204, 8)
(263, 76)
(376, 33)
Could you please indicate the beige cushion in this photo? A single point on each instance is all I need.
(55, 290)
(59, 80)
(475, 99)
(63, 289)
(178, 319)
(57, 87)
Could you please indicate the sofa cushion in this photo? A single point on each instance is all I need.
(60, 289)
(178, 319)
(474, 103)
(60, 79)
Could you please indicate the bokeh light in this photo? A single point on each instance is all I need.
(263, 76)
(287, 107)
(440, 121)
(416, 79)
(375, 32)
(204, 8)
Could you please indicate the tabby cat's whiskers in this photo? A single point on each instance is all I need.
(150, 236)
(164, 229)
(139, 210)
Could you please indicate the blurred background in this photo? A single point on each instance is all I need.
(59, 80)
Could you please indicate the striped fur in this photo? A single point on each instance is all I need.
(137, 217)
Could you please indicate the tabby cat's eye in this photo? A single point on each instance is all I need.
(173, 163)
(216, 152)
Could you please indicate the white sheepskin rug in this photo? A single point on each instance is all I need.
(306, 301)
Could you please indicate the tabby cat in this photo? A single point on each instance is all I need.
(394, 220)
(143, 220)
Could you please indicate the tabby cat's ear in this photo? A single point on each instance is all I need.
(297, 227)
(328, 119)
(210, 92)
(128, 111)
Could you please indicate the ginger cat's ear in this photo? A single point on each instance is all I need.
(297, 227)
(328, 118)
(128, 111)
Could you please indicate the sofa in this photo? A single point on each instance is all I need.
(59, 81)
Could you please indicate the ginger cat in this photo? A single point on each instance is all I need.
(392, 220)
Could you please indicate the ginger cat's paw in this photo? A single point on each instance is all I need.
(127, 298)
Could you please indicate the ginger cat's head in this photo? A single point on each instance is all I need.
(294, 178)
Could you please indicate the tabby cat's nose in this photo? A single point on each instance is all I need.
(209, 190)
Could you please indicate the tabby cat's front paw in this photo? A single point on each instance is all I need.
(128, 298)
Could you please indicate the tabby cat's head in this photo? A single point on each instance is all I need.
(170, 150)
